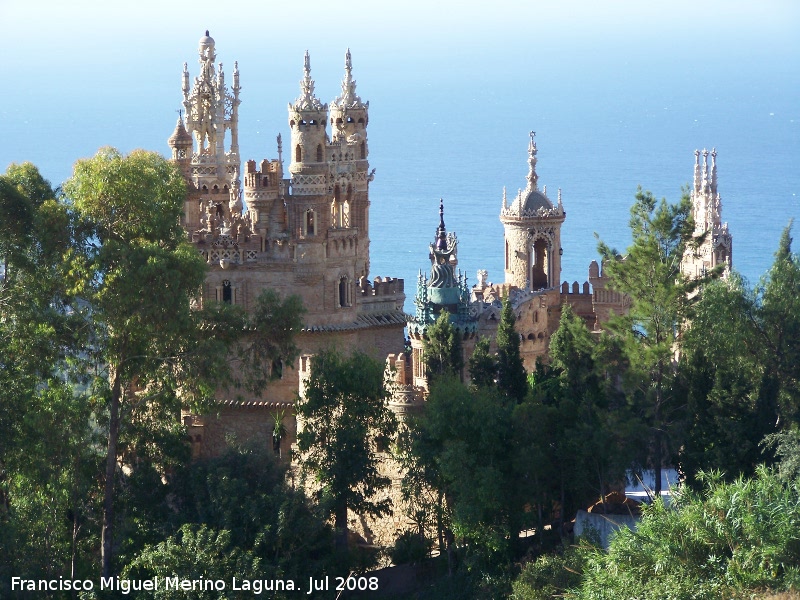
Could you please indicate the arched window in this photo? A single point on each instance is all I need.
(334, 214)
(298, 154)
(363, 150)
(310, 222)
(227, 292)
(345, 214)
(344, 292)
(319, 152)
(540, 272)
(277, 369)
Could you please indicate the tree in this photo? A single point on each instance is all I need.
(740, 369)
(47, 450)
(442, 349)
(778, 304)
(138, 276)
(650, 275)
(482, 364)
(511, 377)
(729, 409)
(237, 505)
(150, 351)
(735, 539)
(463, 448)
(343, 414)
(599, 431)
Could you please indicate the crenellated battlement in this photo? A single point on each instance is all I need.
(269, 176)
(381, 286)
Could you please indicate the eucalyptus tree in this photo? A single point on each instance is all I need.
(151, 351)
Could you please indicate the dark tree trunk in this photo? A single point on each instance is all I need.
(451, 540)
(341, 527)
(657, 434)
(107, 536)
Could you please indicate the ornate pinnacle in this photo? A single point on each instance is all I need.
(533, 178)
(348, 96)
(705, 168)
(280, 149)
(505, 199)
(307, 101)
(441, 231)
(714, 170)
(697, 170)
(185, 80)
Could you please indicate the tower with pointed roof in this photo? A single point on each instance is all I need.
(211, 161)
(445, 290)
(532, 226)
(716, 249)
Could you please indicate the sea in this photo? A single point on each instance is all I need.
(453, 97)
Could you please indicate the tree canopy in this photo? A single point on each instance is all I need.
(343, 415)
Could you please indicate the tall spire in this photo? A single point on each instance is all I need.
(307, 100)
(714, 170)
(533, 178)
(348, 97)
(212, 110)
(705, 169)
(441, 231)
(697, 180)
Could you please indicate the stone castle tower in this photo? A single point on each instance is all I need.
(717, 246)
(305, 232)
(532, 226)
(532, 249)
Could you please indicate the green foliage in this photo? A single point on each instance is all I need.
(442, 350)
(482, 364)
(511, 377)
(344, 412)
(235, 515)
(575, 433)
(659, 295)
(786, 445)
(410, 547)
(195, 553)
(460, 447)
(740, 368)
(549, 576)
(48, 459)
(729, 539)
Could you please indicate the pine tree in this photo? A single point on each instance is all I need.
(482, 364)
(511, 376)
(442, 349)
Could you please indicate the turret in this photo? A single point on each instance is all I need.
(717, 245)
(181, 144)
(349, 115)
(349, 167)
(211, 111)
(532, 225)
(307, 120)
(445, 290)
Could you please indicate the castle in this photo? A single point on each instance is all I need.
(306, 232)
